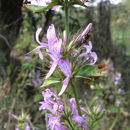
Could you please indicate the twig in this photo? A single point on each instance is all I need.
(6, 41)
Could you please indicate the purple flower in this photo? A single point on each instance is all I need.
(54, 123)
(90, 57)
(51, 102)
(64, 65)
(55, 8)
(66, 69)
(61, 108)
(54, 50)
(119, 91)
(117, 79)
(111, 97)
(81, 120)
(55, 106)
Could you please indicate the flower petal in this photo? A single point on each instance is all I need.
(88, 47)
(37, 37)
(14, 116)
(94, 56)
(65, 84)
(55, 50)
(51, 34)
(65, 67)
(86, 30)
(55, 8)
(40, 55)
(38, 51)
(53, 67)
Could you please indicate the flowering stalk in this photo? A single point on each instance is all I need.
(67, 20)
(76, 98)
(67, 41)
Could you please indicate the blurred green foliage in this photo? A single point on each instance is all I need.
(120, 26)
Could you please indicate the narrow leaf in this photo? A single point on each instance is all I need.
(37, 8)
(49, 82)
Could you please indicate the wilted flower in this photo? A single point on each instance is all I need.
(98, 109)
(24, 123)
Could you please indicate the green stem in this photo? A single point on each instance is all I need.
(114, 122)
(67, 119)
(67, 20)
(76, 98)
(70, 124)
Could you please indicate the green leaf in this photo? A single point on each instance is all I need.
(114, 109)
(27, 65)
(89, 70)
(50, 82)
(37, 8)
(37, 97)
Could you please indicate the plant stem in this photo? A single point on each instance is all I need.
(67, 20)
(67, 119)
(114, 122)
(70, 124)
(76, 98)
